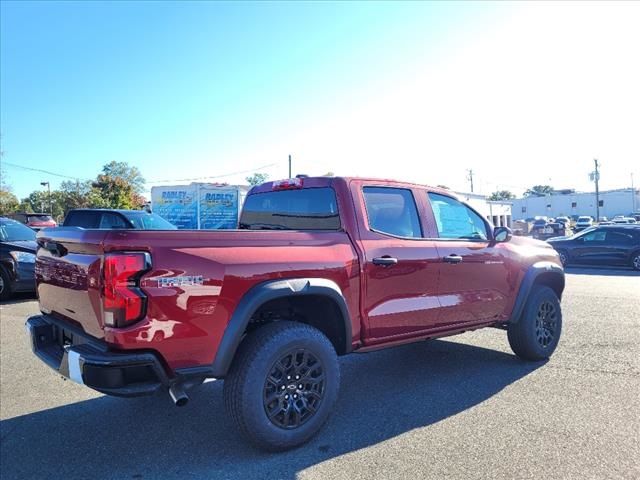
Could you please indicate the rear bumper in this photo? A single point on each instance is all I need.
(89, 362)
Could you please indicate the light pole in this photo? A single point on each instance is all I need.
(49, 195)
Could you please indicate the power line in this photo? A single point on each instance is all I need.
(213, 176)
(9, 164)
(39, 170)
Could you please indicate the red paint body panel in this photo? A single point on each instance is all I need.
(418, 297)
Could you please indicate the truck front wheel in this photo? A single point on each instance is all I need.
(536, 334)
(282, 385)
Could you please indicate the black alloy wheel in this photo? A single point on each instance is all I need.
(294, 389)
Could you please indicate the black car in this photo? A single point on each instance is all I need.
(17, 258)
(602, 245)
(116, 219)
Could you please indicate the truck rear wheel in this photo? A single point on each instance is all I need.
(282, 385)
(536, 334)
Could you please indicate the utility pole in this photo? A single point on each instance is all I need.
(290, 166)
(470, 178)
(633, 196)
(49, 194)
(596, 178)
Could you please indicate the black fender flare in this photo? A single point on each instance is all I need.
(257, 296)
(531, 275)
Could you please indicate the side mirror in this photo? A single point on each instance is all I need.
(501, 234)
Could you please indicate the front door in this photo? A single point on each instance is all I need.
(476, 278)
(591, 248)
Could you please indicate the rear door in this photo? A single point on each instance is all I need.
(618, 246)
(476, 275)
(400, 268)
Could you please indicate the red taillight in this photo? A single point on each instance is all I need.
(123, 300)
(287, 184)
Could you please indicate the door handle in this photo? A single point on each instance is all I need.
(385, 261)
(453, 259)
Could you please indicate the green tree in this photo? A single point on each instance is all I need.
(8, 202)
(539, 191)
(502, 195)
(123, 171)
(118, 186)
(81, 195)
(257, 178)
(115, 191)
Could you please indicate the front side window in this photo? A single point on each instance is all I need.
(595, 236)
(455, 220)
(392, 211)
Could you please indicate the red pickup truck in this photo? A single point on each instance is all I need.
(319, 267)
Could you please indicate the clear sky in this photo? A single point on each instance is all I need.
(522, 93)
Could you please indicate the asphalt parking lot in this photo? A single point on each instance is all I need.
(464, 407)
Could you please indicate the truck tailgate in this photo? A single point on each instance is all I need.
(68, 269)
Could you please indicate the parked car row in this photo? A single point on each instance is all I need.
(18, 239)
(611, 245)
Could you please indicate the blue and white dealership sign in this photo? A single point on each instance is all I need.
(197, 206)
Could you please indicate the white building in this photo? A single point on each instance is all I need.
(497, 212)
(612, 202)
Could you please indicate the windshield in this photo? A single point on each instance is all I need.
(11, 231)
(149, 221)
(584, 219)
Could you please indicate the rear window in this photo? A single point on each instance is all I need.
(39, 218)
(84, 219)
(304, 209)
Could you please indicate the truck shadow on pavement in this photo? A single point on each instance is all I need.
(383, 395)
(604, 271)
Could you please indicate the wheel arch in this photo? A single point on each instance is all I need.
(318, 292)
(542, 273)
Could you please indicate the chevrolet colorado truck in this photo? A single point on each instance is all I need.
(319, 267)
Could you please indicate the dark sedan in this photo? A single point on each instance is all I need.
(602, 245)
(17, 258)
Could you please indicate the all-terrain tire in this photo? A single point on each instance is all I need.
(536, 334)
(266, 366)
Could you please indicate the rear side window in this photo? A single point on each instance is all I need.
(112, 220)
(392, 211)
(303, 209)
(455, 220)
(620, 238)
(84, 219)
